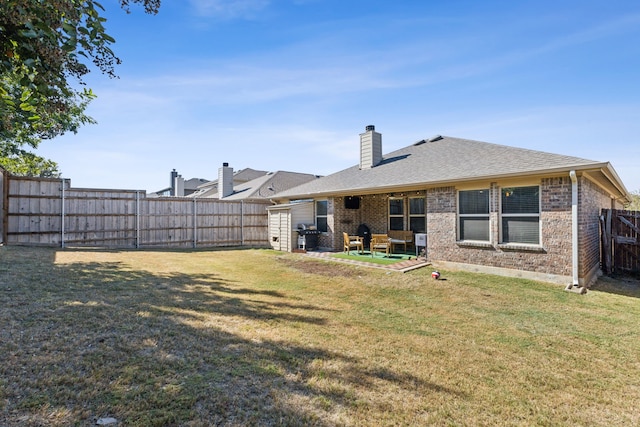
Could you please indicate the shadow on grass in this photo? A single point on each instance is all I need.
(620, 284)
(87, 340)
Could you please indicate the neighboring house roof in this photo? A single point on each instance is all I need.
(195, 183)
(164, 192)
(210, 188)
(247, 174)
(263, 187)
(189, 187)
(444, 160)
(179, 186)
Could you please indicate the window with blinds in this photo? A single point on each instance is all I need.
(473, 215)
(417, 216)
(396, 214)
(521, 215)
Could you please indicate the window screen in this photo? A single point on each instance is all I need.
(396, 214)
(417, 218)
(521, 200)
(321, 215)
(473, 215)
(521, 215)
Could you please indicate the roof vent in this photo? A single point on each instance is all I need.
(435, 138)
(422, 141)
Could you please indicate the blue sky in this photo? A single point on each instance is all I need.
(290, 84)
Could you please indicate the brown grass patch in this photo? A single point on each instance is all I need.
(256, 337)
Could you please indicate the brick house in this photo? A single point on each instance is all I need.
(484, 207)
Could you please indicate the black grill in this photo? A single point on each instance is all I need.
(309, 238)
(309, 232)
(363, 231)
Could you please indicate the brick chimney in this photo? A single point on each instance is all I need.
(370, 148)
(225, 181)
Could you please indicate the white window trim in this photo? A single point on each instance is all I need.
(410, 216)
(507, 245)
(404, 210)
(325, 216)
(487, 215)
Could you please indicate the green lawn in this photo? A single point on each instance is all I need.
(257, 337)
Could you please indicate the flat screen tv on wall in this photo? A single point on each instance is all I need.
(352, 202)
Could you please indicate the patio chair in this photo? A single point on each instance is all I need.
(380, 243)
(353, 242)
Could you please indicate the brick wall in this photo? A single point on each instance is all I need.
(441, 223)
(555, 217)
(553, 257)
(591, 200)
(372, 212)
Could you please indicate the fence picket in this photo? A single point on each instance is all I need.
(33, 214)
(620, 241)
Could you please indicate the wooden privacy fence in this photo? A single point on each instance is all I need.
(620, 231)
(41, 211)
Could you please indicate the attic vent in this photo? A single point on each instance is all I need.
(435, 138)
(422, 141)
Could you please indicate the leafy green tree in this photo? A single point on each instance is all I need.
(44, 50)
(29, 164)
(635, 201)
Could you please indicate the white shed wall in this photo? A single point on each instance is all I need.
(283, 223)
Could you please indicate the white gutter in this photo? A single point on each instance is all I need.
(574, 226)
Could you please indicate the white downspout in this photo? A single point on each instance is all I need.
(574, 227)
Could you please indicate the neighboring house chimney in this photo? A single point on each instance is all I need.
(178, 187)
(174, 175)
(370, 148)
(225, 181)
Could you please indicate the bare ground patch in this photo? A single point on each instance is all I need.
(323, 268)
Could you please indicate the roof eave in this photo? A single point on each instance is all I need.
(604, 167)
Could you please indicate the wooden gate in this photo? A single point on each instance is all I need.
(620, 231)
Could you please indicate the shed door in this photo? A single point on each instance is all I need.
(280, 230)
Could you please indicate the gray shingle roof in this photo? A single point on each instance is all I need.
(264, 186)
(439, 161)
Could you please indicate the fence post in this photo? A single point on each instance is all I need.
(242, 222)
(62, 215)
(195, 223)
(4, 198)
(137, 219)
